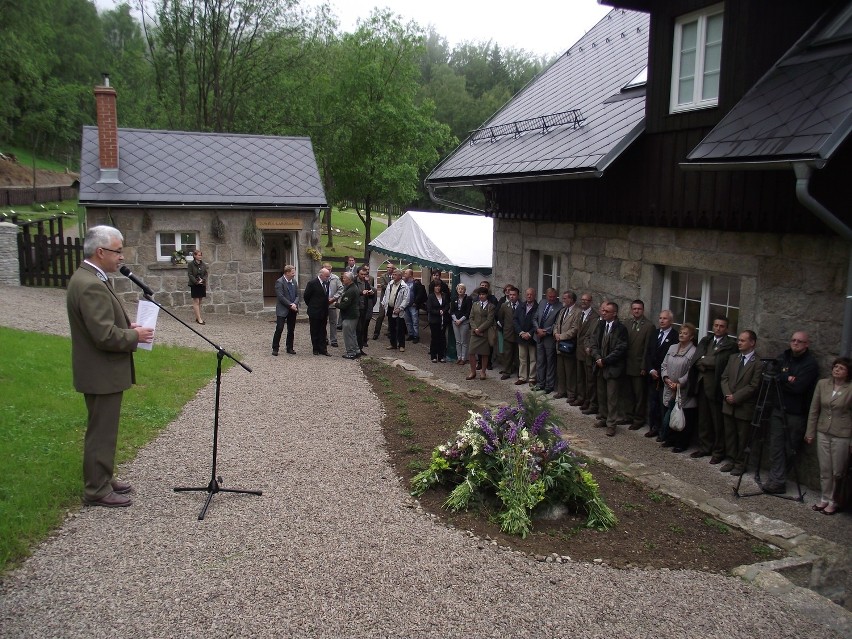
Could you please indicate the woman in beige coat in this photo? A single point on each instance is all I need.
(830, 421)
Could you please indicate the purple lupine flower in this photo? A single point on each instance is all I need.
(490, 435)
(539, 422)
(558, 447)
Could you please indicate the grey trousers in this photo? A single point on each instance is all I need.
(332, 325)
(350, 336)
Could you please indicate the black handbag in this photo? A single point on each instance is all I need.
(566, 346)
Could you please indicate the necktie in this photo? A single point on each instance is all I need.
(635, 325)
(742, 361)
(608, 327)
(326, 287)
(662, 336)
(483, 305)
(546, 311)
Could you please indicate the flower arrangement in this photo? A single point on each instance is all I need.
(314, 254)
(179, 257)
(518, 453)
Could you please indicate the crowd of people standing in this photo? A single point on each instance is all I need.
(689, 393)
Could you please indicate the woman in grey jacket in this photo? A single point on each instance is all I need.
(675, 374)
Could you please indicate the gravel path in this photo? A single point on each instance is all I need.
(334, 547)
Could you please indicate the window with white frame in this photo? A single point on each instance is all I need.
(697, 59)
(170, 242)
(699, 298)
(548, 273)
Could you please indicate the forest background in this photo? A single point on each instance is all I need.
(382, 105)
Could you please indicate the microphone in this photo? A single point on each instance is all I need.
(129, 275)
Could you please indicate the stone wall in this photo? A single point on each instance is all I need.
(235, 282)
(10, 273)
(789, 282)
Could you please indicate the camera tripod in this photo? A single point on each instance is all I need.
(768, 393)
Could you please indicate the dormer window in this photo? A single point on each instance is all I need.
(639, 80)
(697, 59)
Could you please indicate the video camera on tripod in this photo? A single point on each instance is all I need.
(768, 397)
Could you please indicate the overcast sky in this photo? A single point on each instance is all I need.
(543, 27)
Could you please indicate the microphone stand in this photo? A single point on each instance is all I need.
(215, 481)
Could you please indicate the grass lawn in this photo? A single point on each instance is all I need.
(25, 158)
(348, 233)
(43, 421)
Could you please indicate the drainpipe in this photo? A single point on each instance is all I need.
(803, 176)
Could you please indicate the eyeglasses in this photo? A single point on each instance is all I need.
(119, 251)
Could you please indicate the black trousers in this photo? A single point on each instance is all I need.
(290, 322)
(318, 333)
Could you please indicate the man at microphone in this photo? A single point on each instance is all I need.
(102, 343)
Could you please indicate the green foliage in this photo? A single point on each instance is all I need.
(517, 454)
(43, 421)
(717, 525)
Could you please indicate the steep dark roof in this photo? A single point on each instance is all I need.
(801, 110)
(204, 169)
(586, 77)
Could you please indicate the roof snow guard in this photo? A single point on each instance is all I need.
(542, 124)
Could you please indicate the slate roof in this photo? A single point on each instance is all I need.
(801, 110)
(595, 69)
(204, 169)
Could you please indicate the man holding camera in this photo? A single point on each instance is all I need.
(795, 373)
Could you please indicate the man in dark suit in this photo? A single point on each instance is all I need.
(739, 382)
(316, 298)
(711, 357)
(523, 321)
(545, 353)
(286, 307)
(639, 331)
(102, 343)
(587, 322)
(609, 354)
(658, 346)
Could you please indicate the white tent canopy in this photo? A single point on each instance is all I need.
(453, 242)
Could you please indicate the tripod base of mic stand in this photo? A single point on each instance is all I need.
(211, 489)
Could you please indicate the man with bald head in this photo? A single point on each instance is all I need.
(316, 297)
(796, 373)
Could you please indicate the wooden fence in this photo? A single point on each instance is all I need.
(45, 257)
(23, 195)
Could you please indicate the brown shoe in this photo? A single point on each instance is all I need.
(610, 431)
(575, 402)
(120, 487)
(589, 411)
(560, 396)
(109, 501)
(471, 376)
(699, 453)
(716, 459)
(601, 423)
(505, 376)
(652, 433)
(635, 426)
(623, 422)
(520, 381)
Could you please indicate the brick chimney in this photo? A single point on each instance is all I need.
(105, 97)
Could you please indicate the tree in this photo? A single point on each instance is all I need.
(384, 139)
(207, 54)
